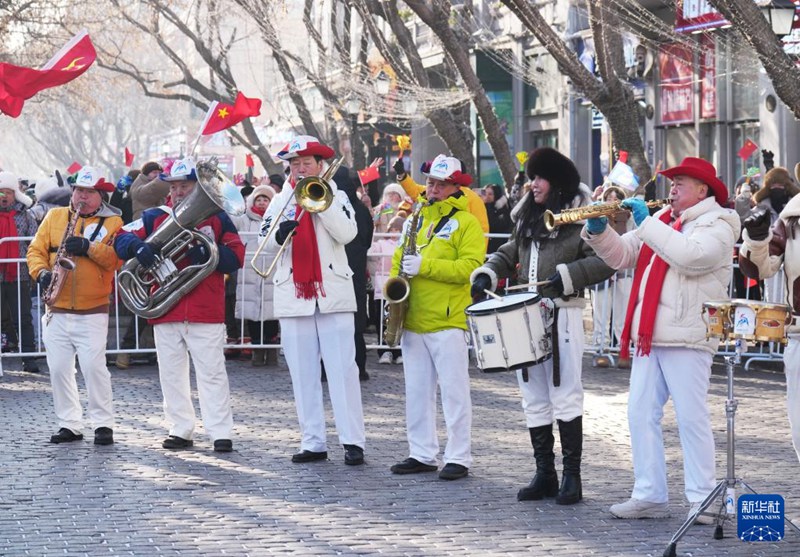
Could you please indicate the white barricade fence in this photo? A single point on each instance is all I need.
(131, 335)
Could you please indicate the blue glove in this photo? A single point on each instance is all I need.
(638, 208)
(76, 245)
(556, 283)
(124, 183)
(146, 256)
(596, 225)
(197, 254)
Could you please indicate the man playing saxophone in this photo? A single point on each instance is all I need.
(449, 246)
(77, 313)
(195, 326)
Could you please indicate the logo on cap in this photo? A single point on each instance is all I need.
(295, 146)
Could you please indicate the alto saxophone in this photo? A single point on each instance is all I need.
(63, 265)
(396, 289)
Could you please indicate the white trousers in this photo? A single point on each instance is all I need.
(610, 305)
(541, 401)
(304, 341)
(684, 374)
(791, 361)
(175, 342)
(427, 359)
(69, 334)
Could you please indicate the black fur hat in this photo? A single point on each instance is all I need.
(556, 169)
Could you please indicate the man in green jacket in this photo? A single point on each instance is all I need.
(450, 245)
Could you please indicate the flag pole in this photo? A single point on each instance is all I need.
(211, 109)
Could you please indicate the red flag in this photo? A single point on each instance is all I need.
(747, 149)
(222, 116)
(73, 168)
(369, 174)
(248, 161)
(128, 158)
(17, 83)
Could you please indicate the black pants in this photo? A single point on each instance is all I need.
(15, 299)
(271, 330)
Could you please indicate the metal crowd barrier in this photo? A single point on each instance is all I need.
(602, 341)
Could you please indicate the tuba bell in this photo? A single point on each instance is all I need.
(151, 292)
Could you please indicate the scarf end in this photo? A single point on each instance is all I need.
(643, 345)
(309, 290)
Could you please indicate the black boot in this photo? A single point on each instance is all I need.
(571, 448)
(545, 481)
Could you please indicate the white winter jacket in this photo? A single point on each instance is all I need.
(335, 227)
(700, 258)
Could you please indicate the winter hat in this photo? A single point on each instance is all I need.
(305, 146)
(777, 175)
(617, 190)
(150, 167)
(700, 169)
(448, 169)
(257, 191)
(9, 181)
(557, 169)
(181, 169)
(277, 179)
(89, 177)
(394, 188)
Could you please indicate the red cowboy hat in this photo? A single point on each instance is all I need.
(305, 146)
(702, 170)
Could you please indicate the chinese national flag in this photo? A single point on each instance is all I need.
(73, 168)
(747, 149)
(18, 84)
(128, 158)
(222, 116)
(248, 161)
(369, 174)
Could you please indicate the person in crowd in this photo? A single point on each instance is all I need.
(76, 321)
(413, 190)
(610, 299)
(743, 203)
(254, 296)
(765, 250)
(682, 258)
(315, 303)
(393, 195)
(195, 325)
(148, 190)
(498, 211)
(380, 265)
(551, 390)
(15, 282)
(449, 245)
(50, 192)
(518, 188)
(276, 182)
(121, 198)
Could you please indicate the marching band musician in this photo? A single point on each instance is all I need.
(682, 258)
(765, 248)
(77, 320)
(552, 389)
(450, 244)
(195, 326)
(315, 303)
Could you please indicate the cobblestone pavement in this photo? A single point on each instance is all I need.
(134, 498)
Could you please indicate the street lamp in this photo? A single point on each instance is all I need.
(382, 83)
(352, 105)
(780, 16)
(410, 105)
(165, 148)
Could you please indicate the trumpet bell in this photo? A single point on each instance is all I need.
(313, 194)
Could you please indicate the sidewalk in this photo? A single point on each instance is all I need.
(134, 498)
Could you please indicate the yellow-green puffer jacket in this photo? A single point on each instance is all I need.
(440, 293)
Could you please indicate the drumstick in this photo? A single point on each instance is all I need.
(524, 286)
(492, 294)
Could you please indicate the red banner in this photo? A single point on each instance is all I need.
(675, 63)
(708, 77)
(692, 16)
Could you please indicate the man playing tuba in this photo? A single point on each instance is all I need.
(77, 313)
(196, 324)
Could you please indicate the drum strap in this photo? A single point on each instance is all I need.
(556, 358)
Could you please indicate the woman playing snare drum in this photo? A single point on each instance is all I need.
(551, 390)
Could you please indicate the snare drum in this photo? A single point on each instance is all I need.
(508, 333)
(718, 323)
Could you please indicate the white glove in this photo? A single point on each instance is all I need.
(411, 264)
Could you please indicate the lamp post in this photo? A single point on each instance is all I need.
(382, 83)
(353, 106)
(780, 16)
(165, 148)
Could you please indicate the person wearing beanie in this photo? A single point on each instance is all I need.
(315, 303)
(16, 220)
(552, 390)
(148, 190)
(276, 181)
(682, 258)
(77, 315)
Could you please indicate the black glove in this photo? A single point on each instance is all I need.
(768, 157)
(758, 225)
(284, 229)
(44, 279)
(197, 254)
(482, 282)
(556, 283)
(399, 167)
(76, 245)
(146, 255)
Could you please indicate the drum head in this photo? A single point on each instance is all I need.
(508, 302)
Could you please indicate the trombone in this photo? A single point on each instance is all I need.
(313, 194)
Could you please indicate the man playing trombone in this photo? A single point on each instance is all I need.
(315, 302)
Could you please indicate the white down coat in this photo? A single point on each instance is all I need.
(700, 258)
(254, 295)
(334, 227)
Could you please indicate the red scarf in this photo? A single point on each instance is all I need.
(259, 210)
(652, 293)
(8, 250)
(306, 266)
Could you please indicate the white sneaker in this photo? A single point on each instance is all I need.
(386, 358)
(636, 508)
(705, 518)
(398, 360)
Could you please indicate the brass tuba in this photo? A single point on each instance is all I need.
(568, 216)
(152, 292)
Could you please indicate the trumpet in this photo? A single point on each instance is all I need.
(568, 216)
(313, 194)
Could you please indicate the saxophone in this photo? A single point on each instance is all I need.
(63, 265)
(396, 289)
